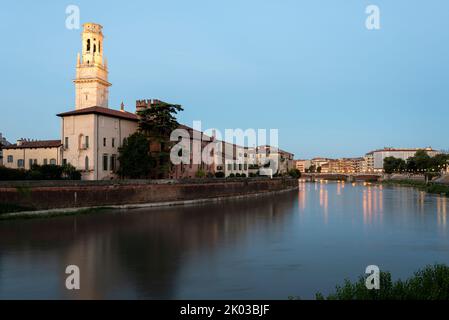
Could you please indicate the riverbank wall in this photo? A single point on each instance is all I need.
(49, 195)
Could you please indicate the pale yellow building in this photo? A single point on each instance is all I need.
(24, 154)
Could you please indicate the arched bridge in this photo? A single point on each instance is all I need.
(349, 177)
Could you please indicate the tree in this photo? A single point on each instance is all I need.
(157, 123)
(318, 169)
(392, 164)
(422, 160)
(134, 157)
(294, 173)
(312, 168)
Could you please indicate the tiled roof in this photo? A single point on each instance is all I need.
(103, 111)
(36, 144)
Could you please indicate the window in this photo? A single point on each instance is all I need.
(113, 157)
(235, 166)
(86, 163)
(64, 162)
(45, 162)
(53, 161)
(245, 166)
(20, 163)
(30, 162)
(10, 159)
(104, 142)
(105, 162)
(88, 45)
(240, 166)
(66, 142)
(99, 46)
(229, 167)
(113, 142)
(86, 141)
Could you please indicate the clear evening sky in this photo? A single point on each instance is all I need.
(309, 68)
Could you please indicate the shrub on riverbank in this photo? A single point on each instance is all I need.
(37, 172)
(427, 187)
(430, 283)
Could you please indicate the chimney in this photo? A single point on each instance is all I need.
(19, 142)
(122, 107)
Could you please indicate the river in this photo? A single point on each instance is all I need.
(271, 247)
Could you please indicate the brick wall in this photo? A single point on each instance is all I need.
(53, 195)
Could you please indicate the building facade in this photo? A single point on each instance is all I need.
(92, 133)
(378, 156)
(26, 153)
(3, 143)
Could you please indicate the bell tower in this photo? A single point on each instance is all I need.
(91, 83)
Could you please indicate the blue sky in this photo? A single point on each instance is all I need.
(307, 67)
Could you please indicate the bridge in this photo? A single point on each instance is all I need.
(348, 177)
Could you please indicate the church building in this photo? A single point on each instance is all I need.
(92, 133)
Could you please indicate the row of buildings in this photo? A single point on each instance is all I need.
(92, 133)
(372, 162)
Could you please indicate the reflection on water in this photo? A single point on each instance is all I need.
(270, 247)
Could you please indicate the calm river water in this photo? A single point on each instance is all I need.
(271, 247)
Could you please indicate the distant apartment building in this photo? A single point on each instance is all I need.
(368, 163)
(302, 165)
(321, 164)
(377, 156)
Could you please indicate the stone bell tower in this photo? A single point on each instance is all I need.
(91, 83)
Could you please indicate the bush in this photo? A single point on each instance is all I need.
(431, 283)
(45, 172)
(49, 172)
(219, 174)
(71, 173)
(237, 175)
(231, 175)
(200, 174)
(294, 173)
(243, 175)
(7, 174)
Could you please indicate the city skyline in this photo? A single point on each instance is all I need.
(294, 75)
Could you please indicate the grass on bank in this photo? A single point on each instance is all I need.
(430, 283)
(421, 185)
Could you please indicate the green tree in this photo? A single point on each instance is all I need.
(392, 164)
(157, 123)
(134, 157)
(422, 160)
(294, 173)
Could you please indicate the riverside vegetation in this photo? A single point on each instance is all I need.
(430, 283)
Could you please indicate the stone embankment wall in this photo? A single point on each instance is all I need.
(36, 195)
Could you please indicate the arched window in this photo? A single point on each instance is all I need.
(95, 48)
(99, 46)
(86, 163)
(88, 45)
